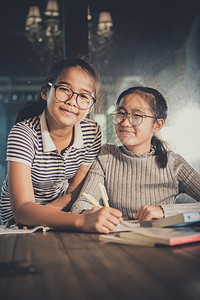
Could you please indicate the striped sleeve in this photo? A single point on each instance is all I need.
(21, 144)
(93, 136)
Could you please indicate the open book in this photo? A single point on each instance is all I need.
(11, 230)
(153, 236)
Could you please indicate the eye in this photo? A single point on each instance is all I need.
(64, 89)
(137, 116)
(120, 114)
(85, 96)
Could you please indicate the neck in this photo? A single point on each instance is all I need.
(138, 149)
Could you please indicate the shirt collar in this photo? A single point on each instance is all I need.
(129, 153)
(48, 144)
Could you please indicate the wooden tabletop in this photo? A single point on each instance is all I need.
(78, 266)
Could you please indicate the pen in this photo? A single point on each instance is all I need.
(104, 194)
(91, 199)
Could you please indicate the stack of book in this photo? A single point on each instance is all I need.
(171, 231)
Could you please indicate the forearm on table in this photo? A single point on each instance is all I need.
(32, 214)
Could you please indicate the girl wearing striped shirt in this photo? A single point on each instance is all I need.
(51, 144)
(142, 177)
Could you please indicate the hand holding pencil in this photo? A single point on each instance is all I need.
(105, 219)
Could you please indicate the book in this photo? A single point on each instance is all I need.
(153, 236)
(11, 230)
(177, 220)
(127, 225)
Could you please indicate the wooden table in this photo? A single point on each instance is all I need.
(79, 266)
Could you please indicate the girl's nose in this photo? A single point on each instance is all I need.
(72, 101)
(126, 121)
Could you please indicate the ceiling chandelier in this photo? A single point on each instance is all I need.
(43, 31)
(100, 36)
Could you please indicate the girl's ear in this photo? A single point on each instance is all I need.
(43, 93)
(158, 125)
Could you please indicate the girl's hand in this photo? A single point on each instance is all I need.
(147, 212)
(101, 220)
(12, 221)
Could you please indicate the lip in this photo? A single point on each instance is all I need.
(126, 132)
(68, 112)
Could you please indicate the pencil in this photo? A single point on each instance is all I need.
(91, 199)
(104, 194)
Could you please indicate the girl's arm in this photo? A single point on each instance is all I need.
(27, 212)
(72, 190)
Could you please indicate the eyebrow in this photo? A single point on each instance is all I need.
(132, 111)
(67, 83)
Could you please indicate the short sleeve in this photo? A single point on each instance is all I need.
(20, 146)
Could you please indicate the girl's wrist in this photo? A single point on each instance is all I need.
(79, 222)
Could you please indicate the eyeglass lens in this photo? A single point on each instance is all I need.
(134, 119)
(83, 100)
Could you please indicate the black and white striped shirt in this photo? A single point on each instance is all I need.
(29, 142)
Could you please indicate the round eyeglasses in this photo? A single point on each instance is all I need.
(64, 93)
(135, 119)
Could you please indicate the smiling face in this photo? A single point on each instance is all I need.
(137, 139)
(65, 114)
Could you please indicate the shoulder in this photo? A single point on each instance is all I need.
(31, 126)
(87, 124)
(177, 162)
(108, 150)
(174, 157)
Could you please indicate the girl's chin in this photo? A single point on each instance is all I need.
(126, 141)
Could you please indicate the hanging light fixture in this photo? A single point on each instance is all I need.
(101, 39)
(105, 23)
(44, 33)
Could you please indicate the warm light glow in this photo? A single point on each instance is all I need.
(52, 8)
(34, 15)
(89, 17)
(105, 22)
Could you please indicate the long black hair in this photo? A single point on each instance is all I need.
(35, 108)
(159, 109)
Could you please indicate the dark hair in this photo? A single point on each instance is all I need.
(159, 109)
(35, 108)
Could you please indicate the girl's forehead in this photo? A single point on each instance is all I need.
(134, 102)
(76, 76)
(72, 72)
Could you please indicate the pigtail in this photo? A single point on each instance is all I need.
(160, 148)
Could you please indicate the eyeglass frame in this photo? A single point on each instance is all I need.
(126, 114)
(77, 94)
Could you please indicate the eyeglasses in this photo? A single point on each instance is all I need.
(64, 93)
(135, 119)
